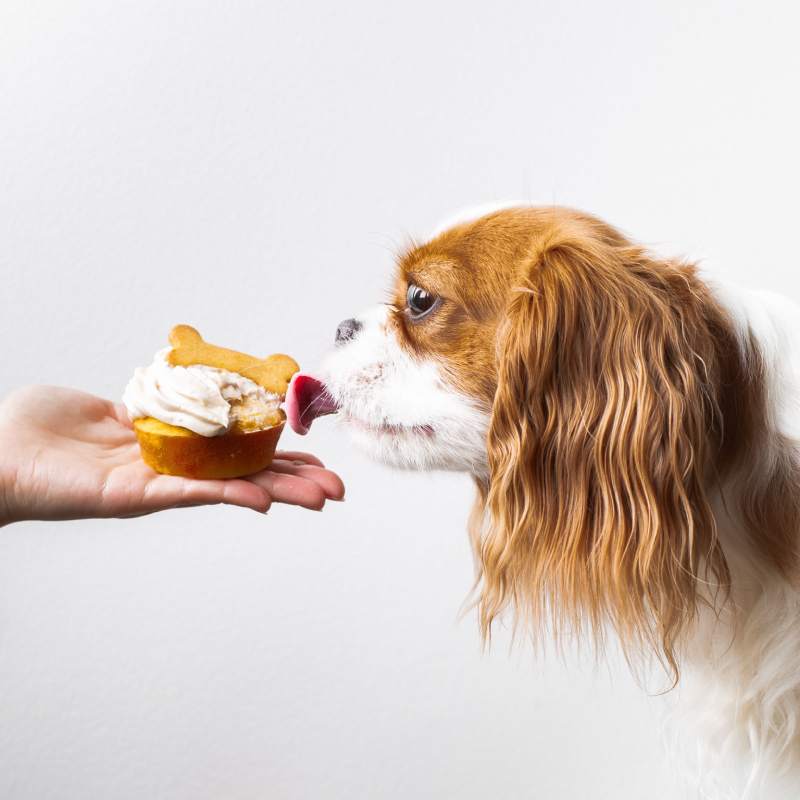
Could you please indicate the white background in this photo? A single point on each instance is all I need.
(250, 168)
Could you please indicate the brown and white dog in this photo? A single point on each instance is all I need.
(632, 429)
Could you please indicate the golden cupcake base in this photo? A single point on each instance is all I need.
(177, 451)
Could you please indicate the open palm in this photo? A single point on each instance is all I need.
(65, 454)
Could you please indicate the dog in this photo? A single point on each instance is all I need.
(632, 429)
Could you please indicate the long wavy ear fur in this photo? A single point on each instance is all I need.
(605, 431)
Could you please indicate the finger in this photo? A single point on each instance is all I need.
(291, 489)
(120, 414)
(328, 481)
(168, 491)
(243, 493)
(293, 455)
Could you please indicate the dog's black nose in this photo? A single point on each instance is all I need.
(347, 330)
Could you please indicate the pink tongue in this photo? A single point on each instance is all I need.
(306, 399)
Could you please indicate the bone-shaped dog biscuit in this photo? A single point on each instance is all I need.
(273, 372)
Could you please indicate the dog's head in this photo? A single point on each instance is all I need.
(415, 379)
(582, 382)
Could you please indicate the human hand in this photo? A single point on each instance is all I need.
(65, 454)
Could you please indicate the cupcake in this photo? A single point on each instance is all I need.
(203, 411)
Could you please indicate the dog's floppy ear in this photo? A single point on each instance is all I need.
(603, 422)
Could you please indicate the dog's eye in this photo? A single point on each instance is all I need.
(419, 301)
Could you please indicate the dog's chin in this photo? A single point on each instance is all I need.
(401, 446)
(421, 446)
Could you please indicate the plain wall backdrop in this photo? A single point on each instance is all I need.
(251, 168)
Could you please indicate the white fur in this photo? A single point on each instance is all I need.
(401, 410)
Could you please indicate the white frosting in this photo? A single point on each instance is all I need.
(195, 397)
